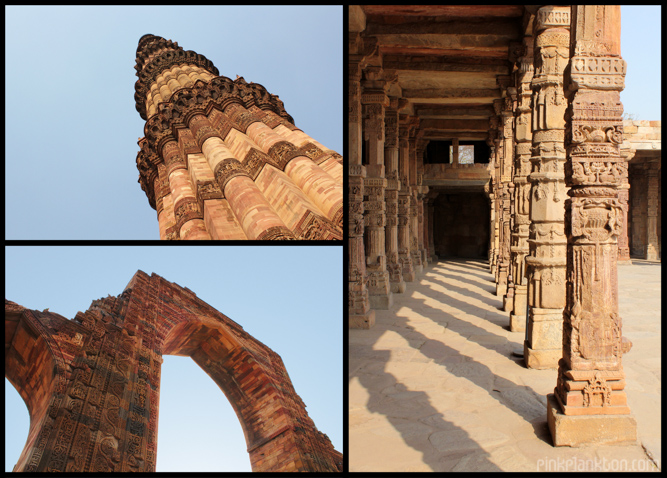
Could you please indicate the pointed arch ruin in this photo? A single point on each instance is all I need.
(92, 384)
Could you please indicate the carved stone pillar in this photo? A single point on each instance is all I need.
(523, 139)
(589, 405)
(391, 193)
(360, 313)
(623, 197)
(500, 190)
(404, 256)
(493, 224)
(547, 242)
(639, 208)
(374, 100)
(421, 219)
(415, 252)
(652, 247)
(507, 173)
(421, 197)
(429, 227)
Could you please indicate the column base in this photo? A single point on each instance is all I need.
(365, 321)
(652, 253)
(382, 302)
(518, 314)
(508, 300)
(418, 268)
(544, 338)
(397, 287)
(543, 358)
(517, 323)
(426, 257)
(583, 430)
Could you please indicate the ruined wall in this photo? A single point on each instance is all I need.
(92, 384)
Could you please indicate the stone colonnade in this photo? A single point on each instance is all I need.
(556, 212)
(388, 242)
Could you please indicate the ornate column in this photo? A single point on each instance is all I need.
(639, 208)
(498, 189)
(652, 248)
(507, 115)
(391, 193)
(404, 255)
(523, 139)
(421, 198)
(415, 186)
(589, 405)
(374, 99)
(503, 176)
(624, 197)
(489, 195)
(495, 193)
(547, 243)
(361, 315)
(430, 208)
(491, 185)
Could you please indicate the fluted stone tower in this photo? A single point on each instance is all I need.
(222, 159)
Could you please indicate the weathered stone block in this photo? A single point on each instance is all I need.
(582, 430)
(541, 358)
(362, 321)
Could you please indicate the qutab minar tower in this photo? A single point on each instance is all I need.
(222, 159)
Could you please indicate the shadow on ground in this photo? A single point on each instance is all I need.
(411, 412)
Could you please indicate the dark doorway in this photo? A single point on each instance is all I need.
(461, 225)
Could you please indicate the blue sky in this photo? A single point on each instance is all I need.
(289, 298)
(71, 124)
(641, 49)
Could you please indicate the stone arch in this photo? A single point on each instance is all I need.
(96, 382)
(245, 374)
(34, 366)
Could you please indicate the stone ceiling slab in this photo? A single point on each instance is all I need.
(413, 79)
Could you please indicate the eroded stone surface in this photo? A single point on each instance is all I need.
(92, 384)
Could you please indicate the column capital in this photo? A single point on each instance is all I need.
(552, 16)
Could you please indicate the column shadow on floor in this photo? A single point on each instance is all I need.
(405, 424)
(521, 399)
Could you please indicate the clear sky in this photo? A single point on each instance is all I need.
(71, 125)
(641, 45)
(289, 298)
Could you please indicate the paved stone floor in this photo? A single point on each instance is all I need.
(434, 387)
